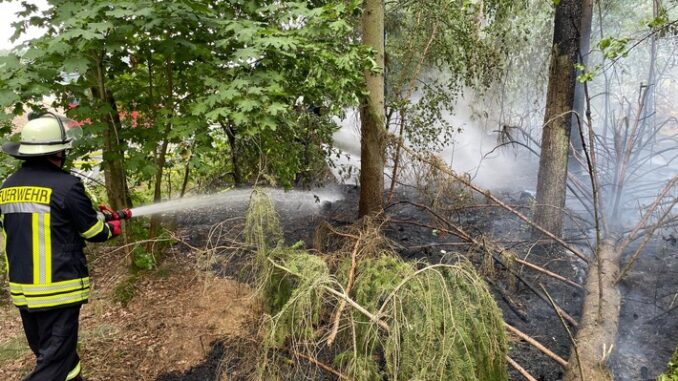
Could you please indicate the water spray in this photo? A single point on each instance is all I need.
(310, 200)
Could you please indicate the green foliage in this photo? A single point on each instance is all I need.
(443, 322)
(446, 326)
(436, 49)
(587, 74)
(613, 48)
(296, 295)
(262, 226)
(377, 279)
(174, 70)
(661, 20)
(671, 373)
(143, 259)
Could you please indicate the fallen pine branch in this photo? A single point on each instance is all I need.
(541, 296)
(509, 302)
(374, 318)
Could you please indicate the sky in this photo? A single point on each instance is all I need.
(8, 16)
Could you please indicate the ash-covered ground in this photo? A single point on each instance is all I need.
(649, 318)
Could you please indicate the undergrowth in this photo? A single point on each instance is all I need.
(392, 319)
(672, 370)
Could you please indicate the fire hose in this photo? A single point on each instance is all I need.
(112, 215)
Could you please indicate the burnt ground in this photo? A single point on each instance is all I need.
(649, 319)
(649, 328)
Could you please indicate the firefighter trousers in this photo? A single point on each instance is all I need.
(53, 337)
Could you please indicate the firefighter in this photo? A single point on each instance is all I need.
(47, 217)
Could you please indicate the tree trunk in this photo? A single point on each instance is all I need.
(187, 169)
(579, 96)
(161, 156)
(113, 153)
(552, 178)
(606, 76)
(649, 109)
(232, 142)
(600, 318)
(372, 115)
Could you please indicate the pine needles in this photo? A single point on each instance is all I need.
(446, 326)
(403, 321)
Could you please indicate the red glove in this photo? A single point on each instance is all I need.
(109, 214)
(114, 227)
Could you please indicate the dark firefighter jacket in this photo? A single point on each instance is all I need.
(47, 216)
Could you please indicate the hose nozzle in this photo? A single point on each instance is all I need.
(112, 215)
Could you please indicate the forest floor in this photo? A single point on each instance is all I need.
(195, 318)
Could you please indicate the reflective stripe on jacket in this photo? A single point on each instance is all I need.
(47, 216)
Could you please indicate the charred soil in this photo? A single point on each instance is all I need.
(195, 318)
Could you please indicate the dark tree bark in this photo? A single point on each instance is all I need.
(232, 142)
(113, 150)
(372, 115)
(552, 178)
(161, 157)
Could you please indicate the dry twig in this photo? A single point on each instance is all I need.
(567, 329)
(536, 344)
(435, 162)
(322, 366)
(520, 369)
(347, 290)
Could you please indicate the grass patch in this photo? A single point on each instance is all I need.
(14, 349)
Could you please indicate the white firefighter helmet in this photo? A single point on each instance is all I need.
(41, 136)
